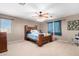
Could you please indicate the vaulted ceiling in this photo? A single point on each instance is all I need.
(27, 10)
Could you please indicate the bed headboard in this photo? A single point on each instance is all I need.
(29, 28)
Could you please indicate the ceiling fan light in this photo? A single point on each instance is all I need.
(52, 17)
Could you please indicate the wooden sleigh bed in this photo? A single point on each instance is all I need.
(41, 38)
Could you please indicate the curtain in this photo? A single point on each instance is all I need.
(54, 27)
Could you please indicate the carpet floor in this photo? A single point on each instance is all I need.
(27, 48)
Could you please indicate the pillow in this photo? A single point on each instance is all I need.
(35, 31)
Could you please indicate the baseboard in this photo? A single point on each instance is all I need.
(16, 41)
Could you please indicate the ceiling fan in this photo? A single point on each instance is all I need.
(41, 14)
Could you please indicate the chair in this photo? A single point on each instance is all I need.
(76, 39)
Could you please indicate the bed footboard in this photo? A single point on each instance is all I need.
(40, 40)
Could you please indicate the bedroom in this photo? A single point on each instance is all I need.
(41, 15)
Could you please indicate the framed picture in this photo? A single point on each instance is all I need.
(73, 25)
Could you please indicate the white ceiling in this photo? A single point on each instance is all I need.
(27, 11)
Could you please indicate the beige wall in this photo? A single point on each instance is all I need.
(17, 32)
(18, 29)
(44, 27)
(67, 35)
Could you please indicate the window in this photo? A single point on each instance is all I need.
(5, 25)
(54, 27)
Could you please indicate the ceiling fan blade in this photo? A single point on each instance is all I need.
(38, 16)
(36, 13)
(45, 14)
(35, 16)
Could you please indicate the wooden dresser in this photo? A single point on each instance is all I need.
(3, 42)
